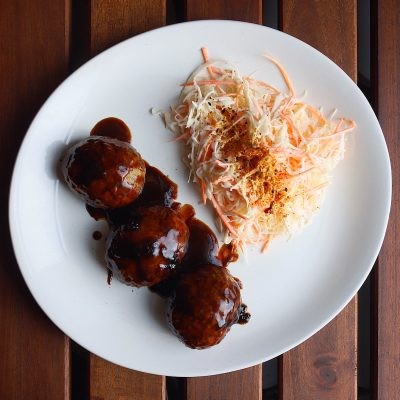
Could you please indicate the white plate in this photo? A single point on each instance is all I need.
(292, 291)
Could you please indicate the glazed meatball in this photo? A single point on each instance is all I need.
(149, 248)
(205, 304)
(105, 172)
(158, 190)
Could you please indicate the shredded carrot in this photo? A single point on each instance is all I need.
(222, 179)
(294, 133)
(211, 72)
(284, 74)
(261, 156)
(224, 219)
(266, 243)
(204, 52)
(266, 85)
(203, 191)
(340, 132)
(184, 135)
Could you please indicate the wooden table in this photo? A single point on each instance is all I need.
(42, 41)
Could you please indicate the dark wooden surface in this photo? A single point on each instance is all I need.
(328, 25)
(41, 42)
(325, 366)
(238, 385)
(112, 21)
(109, 381)
(249, 10)
(386, 57)
(34, 354)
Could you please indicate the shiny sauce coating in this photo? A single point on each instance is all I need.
(148, 248)
(105, 172)
(205, 304)
(202, 282)
(97, 235)
(203, 245)
(158, 190)
(113, 128)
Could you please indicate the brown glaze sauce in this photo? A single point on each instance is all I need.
(203, 245)
(244, 315)
(105, 172)
(97, 235)
(113, 128)
(203, 249)
(96, 213)
(158, 190)
(227, 254)
(149, 247)
(109, 276)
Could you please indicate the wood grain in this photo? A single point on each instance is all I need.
(238, 385)
(249, 11)
(110, 22)
(34, 37)
(328, 25)
(386, 299)
(324, 367)
(247, 383)
(109, 381)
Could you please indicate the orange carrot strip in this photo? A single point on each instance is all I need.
(224, 219)
(345, 130)
(222, 179)
(261, 83)
(238, 215)
(217, 70)
(184, 135)
(315, 112)
(341, 132)
(284, 74)
(204, 52)
(207, 151)
(218, 87)
(338, 125)
(294, 132)
(203, 191)
(266, 243)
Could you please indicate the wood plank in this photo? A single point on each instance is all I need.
(110, 22)
(386, 299)
(324, 367)
(328, 25)
(34, 354)
(238, 385)
(247, 383)
(109, 381)
(249, 11)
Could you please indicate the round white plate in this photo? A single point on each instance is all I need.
(292, 291)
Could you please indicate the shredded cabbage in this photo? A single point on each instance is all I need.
(262, 157)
